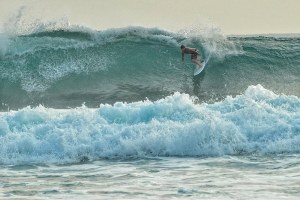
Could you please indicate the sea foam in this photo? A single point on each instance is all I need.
(257, 121)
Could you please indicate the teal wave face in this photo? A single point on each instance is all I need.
(63, 68)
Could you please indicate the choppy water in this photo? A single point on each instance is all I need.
(237, 177)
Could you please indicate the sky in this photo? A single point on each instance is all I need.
(230, 16)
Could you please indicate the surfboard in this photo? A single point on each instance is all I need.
(198, 69)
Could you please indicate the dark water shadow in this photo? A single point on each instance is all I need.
(197, 83)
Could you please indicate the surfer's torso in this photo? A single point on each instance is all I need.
(192, 51)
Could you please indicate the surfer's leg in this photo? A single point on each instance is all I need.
(197, 62)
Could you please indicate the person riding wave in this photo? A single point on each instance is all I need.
(194, 54)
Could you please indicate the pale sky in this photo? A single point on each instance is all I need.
(231, 16)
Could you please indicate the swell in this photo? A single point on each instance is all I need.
(64, 68)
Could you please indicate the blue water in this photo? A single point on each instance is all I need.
(114, 114)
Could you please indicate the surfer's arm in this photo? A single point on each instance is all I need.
(182, 57)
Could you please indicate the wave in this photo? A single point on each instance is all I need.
(66, 66)
(256, 122)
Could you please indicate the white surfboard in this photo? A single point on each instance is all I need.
(199, 69)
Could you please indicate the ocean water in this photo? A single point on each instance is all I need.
(114, 114)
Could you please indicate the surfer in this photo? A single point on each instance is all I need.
(194, 54)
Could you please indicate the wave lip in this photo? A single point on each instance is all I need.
(257, 121)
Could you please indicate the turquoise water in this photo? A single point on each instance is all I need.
(115, 114)
(65, 68)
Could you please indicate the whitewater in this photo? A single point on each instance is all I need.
(114, 114)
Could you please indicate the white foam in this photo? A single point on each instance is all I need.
(258, 121)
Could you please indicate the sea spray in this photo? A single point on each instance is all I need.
(212, 41)
(4, 43)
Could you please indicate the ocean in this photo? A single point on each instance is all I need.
(115, 114)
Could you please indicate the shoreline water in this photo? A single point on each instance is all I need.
(231, 177)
